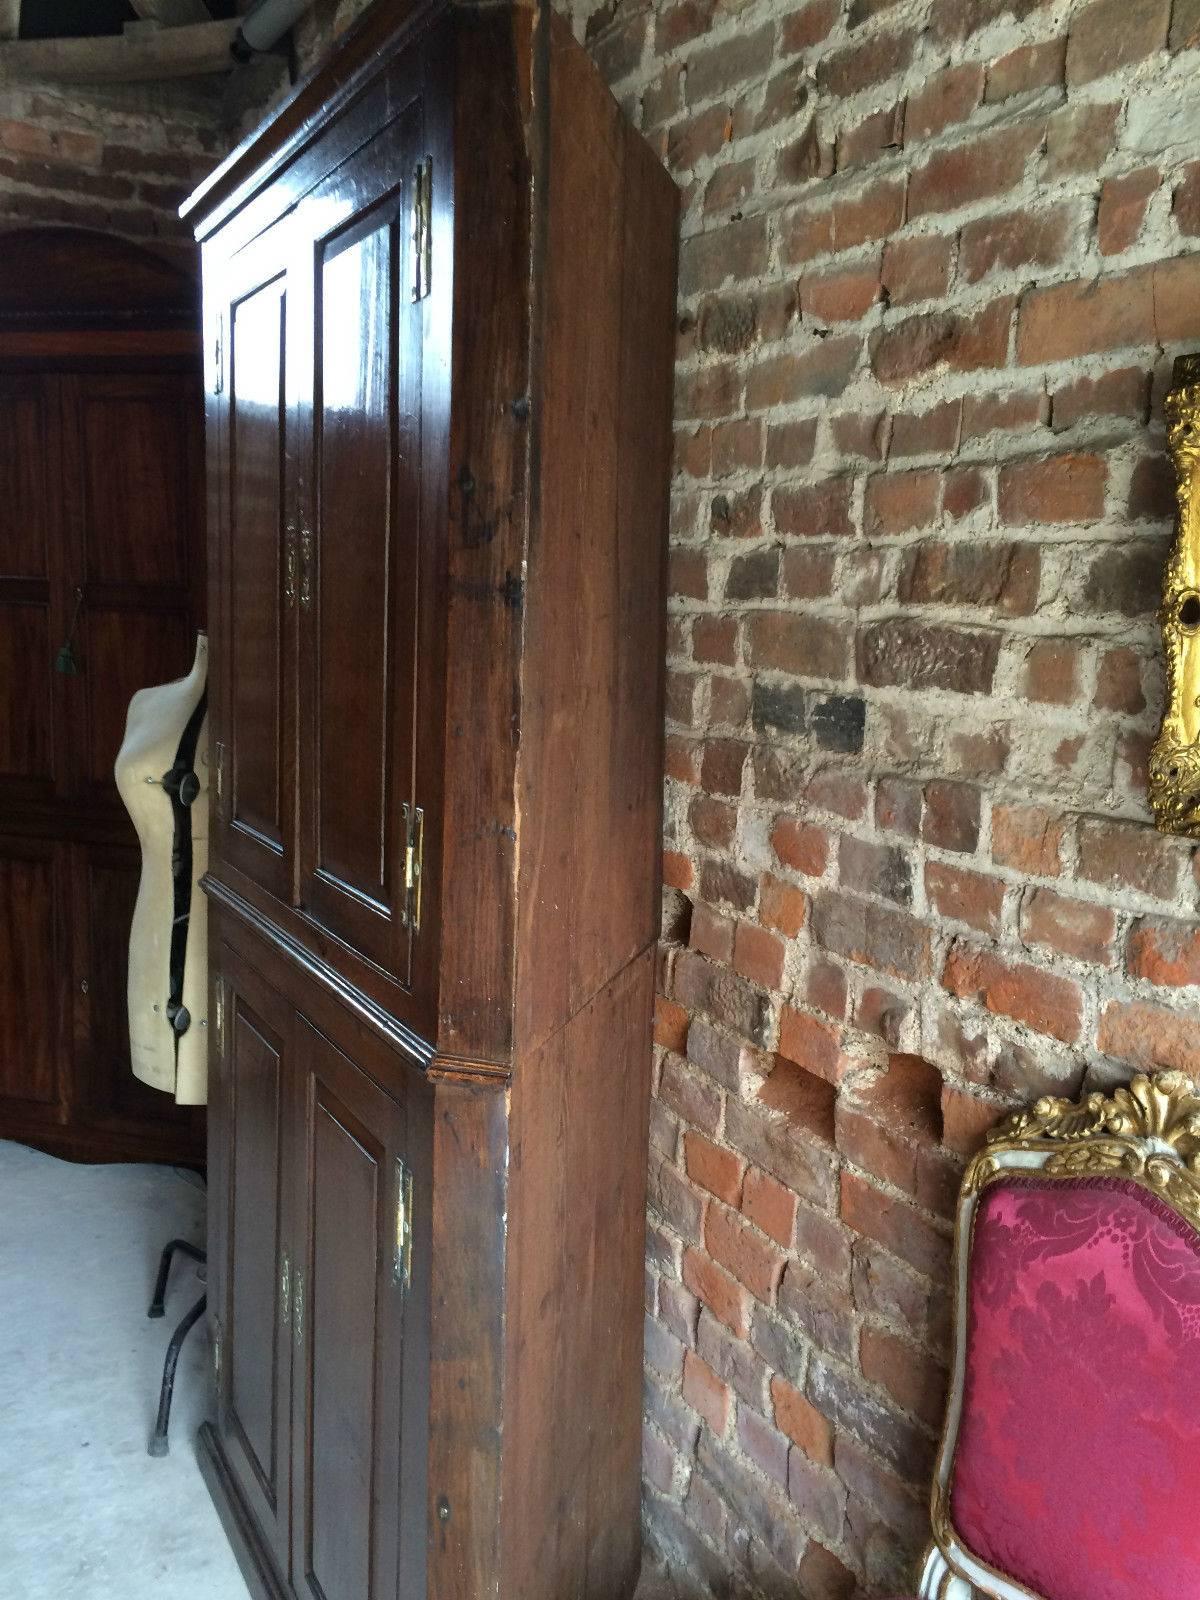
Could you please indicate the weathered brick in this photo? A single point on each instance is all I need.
(816, 511)
(927, 656)
(800, 845)
(812, 1043)
(807, 1428)
(1047, 1003)
(916, 269)
(1028, 67)
(1110, 34)
(743, 1252)
(897, 502)
(913, 1379)
(871, 934)
(1066, 488)
(1123, 204)
(1149, 1036)
(769, 1206)
(970, 897)
(727, 1299)
(1164, 951)
(809, 646)
(977, 169)
(1123, 855)
(946, 97)
(999, 577)
(705, 1392)
(714, 1168)
(1070, 927)
(1012, 240)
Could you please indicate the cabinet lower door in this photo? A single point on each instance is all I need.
(251, 1272)
(352, 1187)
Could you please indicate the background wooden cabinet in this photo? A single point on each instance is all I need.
(440, 299)
(101, 556)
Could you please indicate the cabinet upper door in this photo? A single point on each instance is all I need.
(250, 1272)
(256, 587)
(357, 1516)
(360, 680)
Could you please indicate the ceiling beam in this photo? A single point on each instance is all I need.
(139, 57)
(172, 13)
(10, 18)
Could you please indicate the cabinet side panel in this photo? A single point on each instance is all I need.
(469, 1226)
(575, 1302)
(488, 447)
(591, 743)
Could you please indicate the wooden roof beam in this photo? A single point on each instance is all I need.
(137, 57)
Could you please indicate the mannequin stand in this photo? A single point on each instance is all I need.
(158, 1445)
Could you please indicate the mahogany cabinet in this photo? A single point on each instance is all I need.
(101, 573)
(439, 300)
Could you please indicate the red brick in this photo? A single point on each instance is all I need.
(861, 65)
(1177, 299)
(910, 1375)
(826, 987)
(743, 1252)
(1074, 319)
(952, 815)
(677, 870)
(791, 444)
(1110, 34)
(705, 1392)
(711, 932)
(1030, 66)
(769, 1206)
(895, 1224)
(713, 823)
(969, 897)
(1123, 855)
(896, 502)
(814, 511)
(1044, 1002)
(723, 1295)
(1014, 239)
(1119, 681)
(804, 1100)
(808, 574)
(1123, 205)
(713, 1168)
(1080, 137)
(1002, 413)
(990, 164)
(813, 1044)
(1028, 839)
(1055, 489)
(922, 655)
(882, 130)
(1123, 392)
(714, 639)
(843, 296)
(874, 213)
(901, 351)
(944, 98)
(809, 25)
(874, 935)
(1185, 203)
(1149, 1036)
(917, 269)
(758, 955)
(781, 906)
(670, 1025)
(1071, 927)
(729, 187)
(1050, 672)
(804, 1425)
(805, 645)
(746, 54)
(1165, 952)
(1003, 577)
(800, 845)
(965, 1119)
(856, 434)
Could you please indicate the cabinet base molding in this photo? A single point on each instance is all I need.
(253, 1559)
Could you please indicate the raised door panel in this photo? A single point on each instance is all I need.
(348, 1415)
(134, 515)
(359, 660)
(106, 1094)
(31, 578)
(253, 1269)
(35, 961)
(259, 583)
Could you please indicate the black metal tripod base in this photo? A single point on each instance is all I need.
(159, 1445)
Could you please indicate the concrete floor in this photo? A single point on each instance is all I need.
(85, 1513)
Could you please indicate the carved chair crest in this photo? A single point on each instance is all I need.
(1069, 1426)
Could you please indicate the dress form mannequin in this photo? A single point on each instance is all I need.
(162, 776)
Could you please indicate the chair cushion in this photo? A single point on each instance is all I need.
(1077, 1468)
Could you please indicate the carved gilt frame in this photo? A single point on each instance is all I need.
(1148, 1133)
(1175, 758)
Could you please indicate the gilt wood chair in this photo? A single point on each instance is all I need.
(1069, 1466)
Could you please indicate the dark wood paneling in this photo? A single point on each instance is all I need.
(26, 701)
(28, 453)
(34, 958)
(348, 1416)
(255, 1395)
(121, 651)
(590, 760)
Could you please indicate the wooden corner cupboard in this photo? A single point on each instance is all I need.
(439, 310)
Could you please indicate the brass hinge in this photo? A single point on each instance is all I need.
(414, 864)
(402, 1265)
(220, 775)
(219, 355)
(290, 562)
(215, 1331)
(298, 1307)
(306, 562)
(422, 228)
(219, 1011)
(285, 1290)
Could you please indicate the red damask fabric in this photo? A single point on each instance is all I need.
(1078, 1463)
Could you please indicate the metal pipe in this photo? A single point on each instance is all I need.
(265, 24)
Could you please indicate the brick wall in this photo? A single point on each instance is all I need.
(937, 258)
(118, 159)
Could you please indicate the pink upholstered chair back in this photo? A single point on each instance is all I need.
(1070, 1460)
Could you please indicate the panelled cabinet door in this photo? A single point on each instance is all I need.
(35, 960)
(258, 555)
(131, 492)
(354, 1256)
(32, 743)
(359, 668)
(253, 1269)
